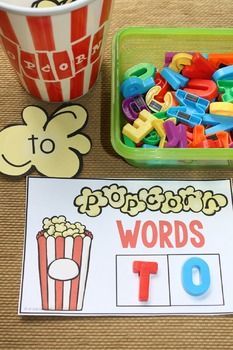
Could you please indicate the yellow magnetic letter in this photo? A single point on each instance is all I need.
(141, 127)
(222, 108)
(180, 60)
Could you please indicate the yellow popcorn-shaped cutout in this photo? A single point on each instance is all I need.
(180, 60)
(90, 202)
(52, 145)
(141, 127)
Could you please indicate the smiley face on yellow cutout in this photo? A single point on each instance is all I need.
(54, 146)
(50, 3)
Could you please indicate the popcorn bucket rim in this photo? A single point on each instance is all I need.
(29, 11)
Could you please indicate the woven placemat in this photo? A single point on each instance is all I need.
(107, 332)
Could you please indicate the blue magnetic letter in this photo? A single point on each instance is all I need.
(187, 276)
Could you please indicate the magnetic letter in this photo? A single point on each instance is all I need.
(144, 269)
(187, 276)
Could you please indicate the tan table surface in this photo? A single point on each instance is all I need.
(107, 332)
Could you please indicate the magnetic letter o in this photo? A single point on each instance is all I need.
(187, 276)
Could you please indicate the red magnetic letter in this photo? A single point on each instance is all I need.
(144, 269)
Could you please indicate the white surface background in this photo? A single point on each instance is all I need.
(49, 197)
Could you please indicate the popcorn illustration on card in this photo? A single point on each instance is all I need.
(64, 253)
(53, 145)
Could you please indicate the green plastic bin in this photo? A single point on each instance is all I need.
(145, 44)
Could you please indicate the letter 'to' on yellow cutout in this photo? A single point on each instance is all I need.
(53, 145)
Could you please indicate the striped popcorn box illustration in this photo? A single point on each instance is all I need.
(56, 52)
(63, 259)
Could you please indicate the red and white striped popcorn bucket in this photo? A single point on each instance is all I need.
(56, 51)
(63, 270)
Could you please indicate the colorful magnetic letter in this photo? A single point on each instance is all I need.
(142, 126)
(141, 70)
(157, 106)
(219, 122)
(214, 119)
(128, 142)
(187, 276)
(132, 106)
(225, 73)
(226, 88)
(180, 60)
(198, 136)
(176, 135)
(160, 81)
(174, 79)
(158, 125)
(219, 127)
(136, 86)
(151, 101)
(222, 139)
(144, 270)
(203, 88)
(161, 115)
(221, 58)
(192, 108)
(145, 145)
(200, 68)
(152, 139)
(221, 108)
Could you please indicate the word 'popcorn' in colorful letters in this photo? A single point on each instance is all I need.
(52, 145)
(155, 199)
(57, 65)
